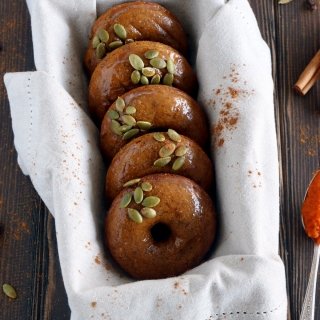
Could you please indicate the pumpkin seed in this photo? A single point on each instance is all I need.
(135, 77)
(156, 79)
(136, 62)
(101, 50)
(144, 80)
(151, 54)
(120, 31)
(146, 186)
(126, 199)
(129, 40)
(115, 44)
(181, 151)
(162, 162)
(131, 182)
(95, 42)
(9, 291)
(171, 66)
(134, 215)
(138, 195)
(158, 63)
(113, 114)
(167, 150)
(168, 79)
(120, 104)
(129, 120)
(148, 71)
(159, 136)
(148, 212)
(130, 134)
(178, 163)
(151, 201)
(144, 125)
(125, 128)
(130, 110)
(103, 35)
(115, 127)
(174, 135)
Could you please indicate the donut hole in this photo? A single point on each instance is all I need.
(160, 232)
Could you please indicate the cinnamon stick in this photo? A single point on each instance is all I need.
(309, 76)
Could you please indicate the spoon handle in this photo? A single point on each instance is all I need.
(307, 312)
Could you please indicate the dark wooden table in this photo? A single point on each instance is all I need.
(28, 250)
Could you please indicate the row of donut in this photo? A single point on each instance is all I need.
(161, 221)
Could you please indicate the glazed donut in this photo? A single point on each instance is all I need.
(133, 21)
(167, 233)
(153, 107)
(127, 68)
(158, 153)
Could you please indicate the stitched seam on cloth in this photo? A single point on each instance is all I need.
(31, 116)
(245, 313)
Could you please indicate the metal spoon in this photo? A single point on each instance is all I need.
(307, 312)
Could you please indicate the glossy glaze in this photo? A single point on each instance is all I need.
(136, 159)
(165, 107)
(142, 21)
(112, 77)
(188, 212)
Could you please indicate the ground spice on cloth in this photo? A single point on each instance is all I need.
(311, 209)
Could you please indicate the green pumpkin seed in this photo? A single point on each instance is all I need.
(135, 77)
(95, 42)
(158, 63)
(168, 79)
(129, 40)
(120, 31)
(103, 35)
(136, 62)
(162, 162)
(158, 136)
(115, 44)
(148, 71)
(148, 212)
(146, 186)
(151, 201)
(181, 151)
(113, 114)
(124, 128)
(151, 54)
(144, 125)
(101, 50)
(130, 134)
(174, 135)
(171, 66)
(134, 215)
(144, 80)
(120, 104)
(130, 110)
(178, 163)
(9, 291)
(156, 79)
(126, 199)
(129, 120)
(138, 195)
(131, 182)
(167, 150)
(115, 127)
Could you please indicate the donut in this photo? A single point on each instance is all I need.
(127, 68)
(153, 107)
(158, 153)
(133, 21)
(165, 234)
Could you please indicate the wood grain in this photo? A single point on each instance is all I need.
(28, 251)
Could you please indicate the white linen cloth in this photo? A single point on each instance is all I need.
(57, 147)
